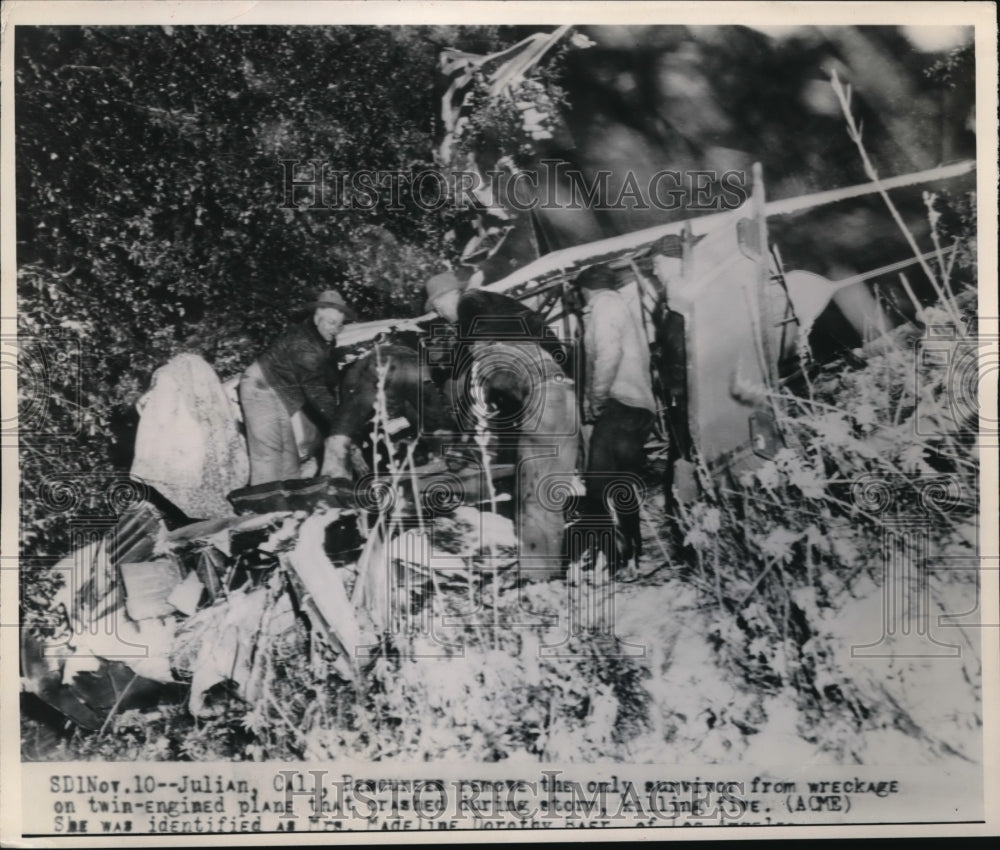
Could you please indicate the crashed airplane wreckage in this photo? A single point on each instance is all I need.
(331, 569)
(729, 317)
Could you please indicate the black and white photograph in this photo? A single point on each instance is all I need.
(465, 417)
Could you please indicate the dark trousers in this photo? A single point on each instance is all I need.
(616, 460)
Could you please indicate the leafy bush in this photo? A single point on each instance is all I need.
(152, 215)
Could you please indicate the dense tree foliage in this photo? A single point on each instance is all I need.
(151, 209)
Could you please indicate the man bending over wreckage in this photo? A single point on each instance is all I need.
(293, 378)
(505, 355)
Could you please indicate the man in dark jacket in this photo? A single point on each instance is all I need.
(295, 375)
(483, 316)
(523, 369)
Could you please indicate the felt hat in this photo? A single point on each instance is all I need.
(439, 285)
(332, 298)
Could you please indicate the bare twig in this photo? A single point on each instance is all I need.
(715, 566)
(118, 702)
(753, 588)
(854, 131)
(952, 258)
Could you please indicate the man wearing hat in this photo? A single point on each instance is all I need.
(484, 316)
(293, 378)
(524, 369)
(618, 400)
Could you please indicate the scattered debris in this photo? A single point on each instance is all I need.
(148, 587)
(203, 605)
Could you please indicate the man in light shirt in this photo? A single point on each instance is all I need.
(619, 402)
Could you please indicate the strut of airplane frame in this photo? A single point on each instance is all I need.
(570, 260)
